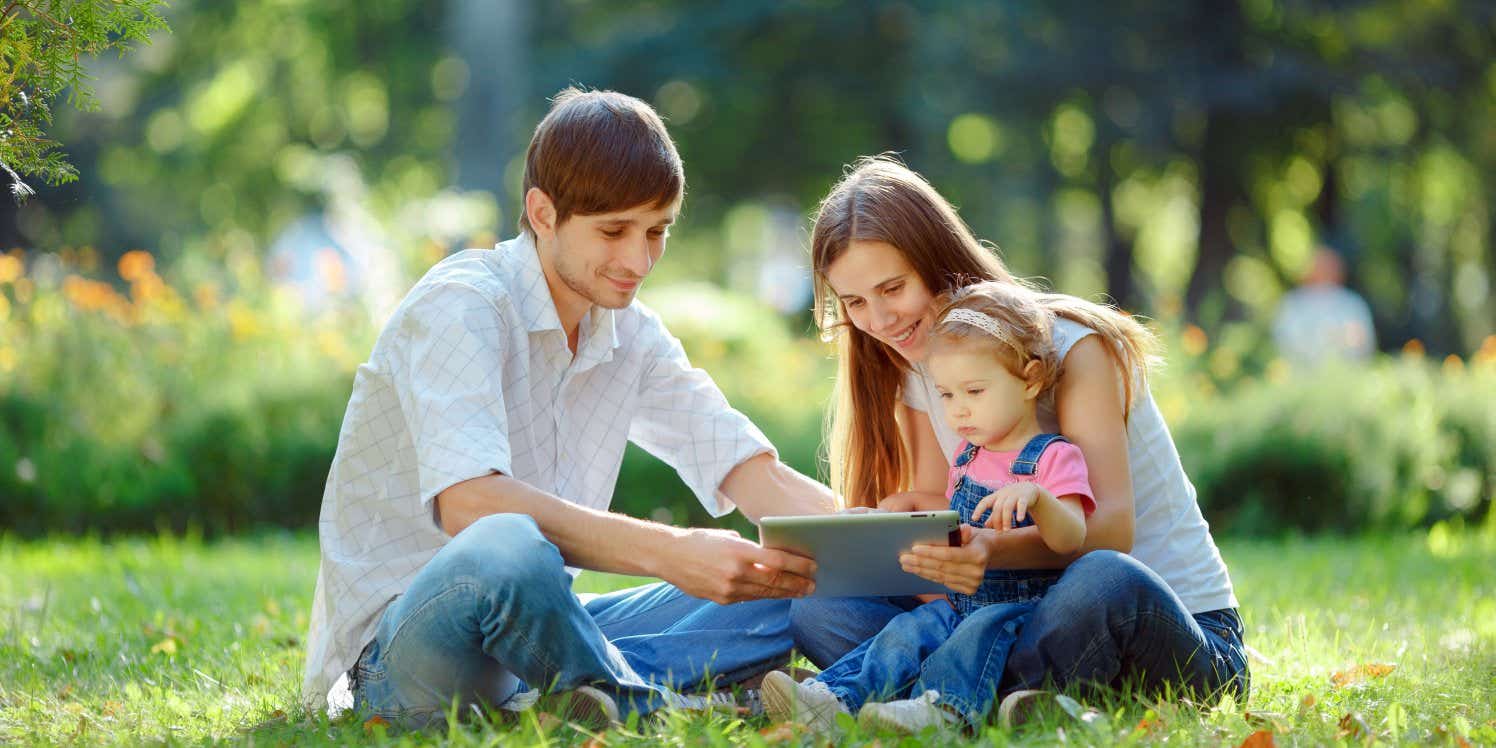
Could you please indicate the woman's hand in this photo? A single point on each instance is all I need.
(960, 569)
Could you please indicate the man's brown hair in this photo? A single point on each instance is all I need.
(599, 152)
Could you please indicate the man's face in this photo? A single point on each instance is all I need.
(602, 258)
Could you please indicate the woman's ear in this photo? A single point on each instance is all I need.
(1031, 377)
(541, 212)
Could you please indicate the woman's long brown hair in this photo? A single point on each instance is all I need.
(882, 200)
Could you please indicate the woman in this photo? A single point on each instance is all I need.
(884, 244)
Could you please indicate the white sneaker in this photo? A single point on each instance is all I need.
(1018, 707)
(906, 715)
(810, 703)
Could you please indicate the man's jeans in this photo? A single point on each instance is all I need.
(493, 611)
(1109, 621)
(933, 647)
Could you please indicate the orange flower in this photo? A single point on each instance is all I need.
(11, 268)
(136, 264)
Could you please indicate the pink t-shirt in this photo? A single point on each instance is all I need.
(1062, 471)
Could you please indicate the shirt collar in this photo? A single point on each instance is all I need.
(599, 334)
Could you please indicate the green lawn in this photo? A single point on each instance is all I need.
(186, 642)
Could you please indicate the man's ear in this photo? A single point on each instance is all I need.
(1031, 376)
(540, 211)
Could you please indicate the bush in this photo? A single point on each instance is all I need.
(1399, 443)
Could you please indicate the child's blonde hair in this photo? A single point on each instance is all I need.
(1021, 332)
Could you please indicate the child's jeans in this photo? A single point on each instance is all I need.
(936, 647)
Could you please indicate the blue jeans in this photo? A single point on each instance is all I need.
(1109, 621)
(493, 611)
(933, 647)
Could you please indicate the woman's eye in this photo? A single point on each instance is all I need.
(974, 392)
(854, 303)
(945, 396)
(891, 290)
(657, 233)
(614, 234)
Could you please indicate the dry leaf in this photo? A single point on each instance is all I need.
(548, 721)
(1149, 723)
(375, 722)
(65, 693)
(783, 732)
(167, 646)
(1266, 720)
(1259, 739)
(1352, 726)
(1361, 673)
(1308, 702)
(595, 743)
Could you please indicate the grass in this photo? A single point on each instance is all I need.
(176, 640)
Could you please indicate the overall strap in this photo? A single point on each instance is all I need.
(1027, 462)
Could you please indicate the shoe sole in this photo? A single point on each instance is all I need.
(584, 705)
(778, 694)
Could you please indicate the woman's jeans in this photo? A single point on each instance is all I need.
(1110, 621)
(493, 612)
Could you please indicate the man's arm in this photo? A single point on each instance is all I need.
(716, 565)
(762, 486)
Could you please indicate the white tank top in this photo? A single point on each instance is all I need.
(1170, 536)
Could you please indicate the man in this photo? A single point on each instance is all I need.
(480, 448)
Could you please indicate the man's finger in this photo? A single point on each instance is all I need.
(780, 580)
(798, 565)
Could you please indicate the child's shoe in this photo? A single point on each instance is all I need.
(810, 703)
(906, 715)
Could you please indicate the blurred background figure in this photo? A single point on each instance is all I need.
(1323, 320)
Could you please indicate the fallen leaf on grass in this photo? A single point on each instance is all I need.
(65, 693)
(548, 721)
(1266, 721)
(376, 722)
(1352, 726)
(1361, 673)
(1149, 723)
(595, 743)
(167, 646)
(784, 732)
(1308, 702)
(1259, 739)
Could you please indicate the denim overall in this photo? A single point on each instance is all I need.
(1001, 585)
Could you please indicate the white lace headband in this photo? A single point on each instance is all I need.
(977, 320)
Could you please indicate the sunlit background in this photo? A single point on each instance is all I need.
(259, 187)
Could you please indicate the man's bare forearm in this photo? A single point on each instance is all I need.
(762, 486)
(587, 538)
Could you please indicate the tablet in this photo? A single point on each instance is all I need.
(858, 554)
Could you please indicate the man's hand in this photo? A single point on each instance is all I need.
(721, 566)
(960, 569)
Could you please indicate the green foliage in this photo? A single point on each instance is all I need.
(43, 46)
(175, 640)
(1398, 444)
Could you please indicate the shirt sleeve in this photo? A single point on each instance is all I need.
(448, 372)
(685, 420)
(1062, 470)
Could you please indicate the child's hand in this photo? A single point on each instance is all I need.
(1010, 504)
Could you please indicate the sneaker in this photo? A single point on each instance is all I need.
(906, 715)
(809, 702)
(584, 705)
(1017, 707)
(746, 702)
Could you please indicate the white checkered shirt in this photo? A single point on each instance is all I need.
(471, 376)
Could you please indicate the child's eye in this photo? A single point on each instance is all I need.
(657, 233)
(946, 396)
(975, 392)
(894, 289)
(612, 233)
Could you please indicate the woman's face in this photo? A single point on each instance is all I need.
(883, 296)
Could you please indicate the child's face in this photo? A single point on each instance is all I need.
(984, 402)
